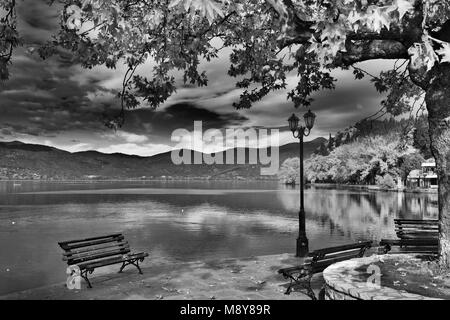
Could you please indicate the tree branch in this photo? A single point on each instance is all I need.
(359, 51)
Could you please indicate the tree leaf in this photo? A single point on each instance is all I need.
(422, 54)
(404, 6)
(207, 8)
(174, 3)
(444, 52)
(379, 19)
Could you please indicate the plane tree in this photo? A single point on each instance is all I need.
(268, 40)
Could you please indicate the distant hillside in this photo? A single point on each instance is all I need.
(28, 161)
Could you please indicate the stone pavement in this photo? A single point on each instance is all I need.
(349, 280)
(253, 278)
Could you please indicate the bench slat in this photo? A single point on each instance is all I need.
(91, 243)
(98, 256)
(320, 265)
(341, 248)
(417, 226)
(418, 236)
(421, 249)
(333, 255)
(418, 233)
(90, 239)
(93, 248)
(430, 230)
(405, 221)
(416, 223)
(110, 260)
(409, 242)
(94, 254)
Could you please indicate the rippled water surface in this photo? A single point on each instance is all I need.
(184, 221)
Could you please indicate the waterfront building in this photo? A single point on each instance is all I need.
(425, 177)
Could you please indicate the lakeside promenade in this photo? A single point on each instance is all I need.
(253, 278)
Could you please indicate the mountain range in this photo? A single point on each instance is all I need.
(20, 160)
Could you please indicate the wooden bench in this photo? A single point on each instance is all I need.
(91, 253)
(319, 260)
(414, 236)
(416, 229)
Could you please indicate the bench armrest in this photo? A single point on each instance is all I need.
(288, 272)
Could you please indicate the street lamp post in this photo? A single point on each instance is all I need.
(300, 132)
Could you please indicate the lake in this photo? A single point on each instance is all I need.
(184, 221)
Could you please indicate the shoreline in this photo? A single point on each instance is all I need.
(369, 188)
(316, 185)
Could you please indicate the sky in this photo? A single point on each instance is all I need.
(58, 103)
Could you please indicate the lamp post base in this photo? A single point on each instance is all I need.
(302, 246)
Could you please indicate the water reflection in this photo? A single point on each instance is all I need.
(177, 222)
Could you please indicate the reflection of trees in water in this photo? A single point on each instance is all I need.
(422, 206)
(351, 214)
(357, 214)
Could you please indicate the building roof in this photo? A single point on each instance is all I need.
(429, 163)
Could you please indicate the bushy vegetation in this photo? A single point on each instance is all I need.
(380, 160)
(385, 181)
(289, 171)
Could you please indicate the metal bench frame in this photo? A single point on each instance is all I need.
(91, 253)
(319, 260)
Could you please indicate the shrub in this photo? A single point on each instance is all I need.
(385, 181)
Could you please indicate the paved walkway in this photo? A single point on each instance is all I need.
(252, 278)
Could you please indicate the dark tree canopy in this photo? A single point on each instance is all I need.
(268, 40)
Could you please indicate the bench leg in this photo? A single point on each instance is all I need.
(289, 288)
(305, 283)
(137, 266)
(134, 262)
(293, 281)
(322, 293)
(310, 293)
(85, 277)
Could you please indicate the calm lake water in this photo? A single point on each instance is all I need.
(184, 221)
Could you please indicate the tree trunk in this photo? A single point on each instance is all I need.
(438, 104)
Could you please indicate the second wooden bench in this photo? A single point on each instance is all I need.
(319, 260)
(414, 236)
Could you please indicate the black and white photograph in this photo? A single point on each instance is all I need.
(215, 150)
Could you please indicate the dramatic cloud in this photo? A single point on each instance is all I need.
(58, 103)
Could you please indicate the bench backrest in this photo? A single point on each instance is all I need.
(77, 251)
(322, 258)
(416, 229)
